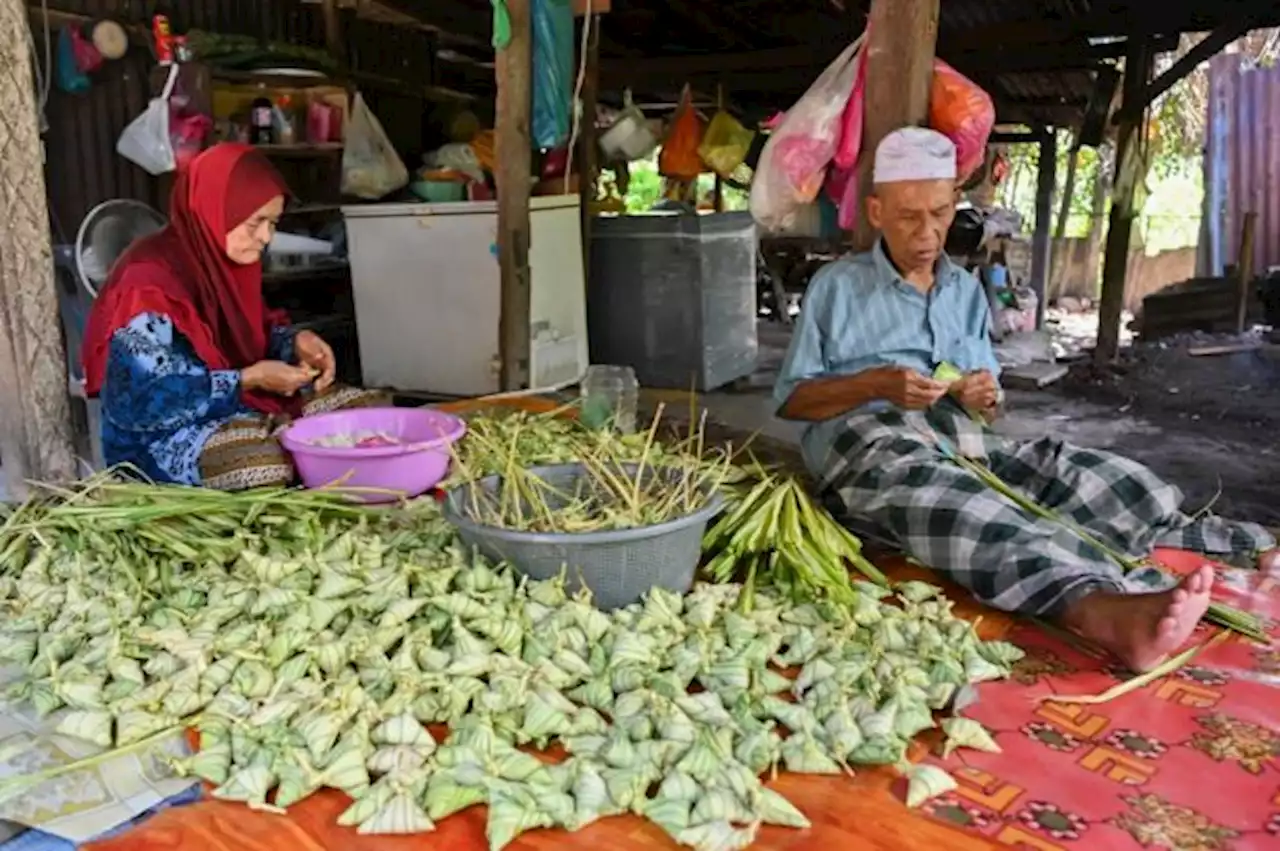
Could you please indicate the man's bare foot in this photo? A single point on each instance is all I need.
(1269, 562)
(1142, 629)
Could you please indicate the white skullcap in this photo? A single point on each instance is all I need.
(915, 153)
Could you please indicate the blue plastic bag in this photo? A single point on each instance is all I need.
(69, 76)
(552, 71)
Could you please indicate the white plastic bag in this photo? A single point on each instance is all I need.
(371, 168)
(794, 161)
(146, 140)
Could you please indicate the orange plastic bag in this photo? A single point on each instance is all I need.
(959, 108)
(679, 158)
(726, 144)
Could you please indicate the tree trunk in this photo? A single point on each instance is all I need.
(1101, 189)
(35, 415)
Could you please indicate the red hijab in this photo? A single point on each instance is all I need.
(183, 272)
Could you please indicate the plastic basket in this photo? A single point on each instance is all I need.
(619, 567)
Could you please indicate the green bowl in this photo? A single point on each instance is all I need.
(439, 191)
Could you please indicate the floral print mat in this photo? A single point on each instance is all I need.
(1191, 762)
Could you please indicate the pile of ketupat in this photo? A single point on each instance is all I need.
(309, 642)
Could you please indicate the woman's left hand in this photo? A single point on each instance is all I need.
(314, 352)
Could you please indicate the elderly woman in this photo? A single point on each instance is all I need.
(195, 374)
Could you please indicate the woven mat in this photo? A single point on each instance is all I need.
(1191, 762)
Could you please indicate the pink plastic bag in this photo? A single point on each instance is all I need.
(851, 122)
(959, 108)
(794, 162)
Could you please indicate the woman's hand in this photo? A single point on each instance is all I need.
(314, 352)
(277, 377)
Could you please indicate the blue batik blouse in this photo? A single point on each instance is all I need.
(161, 403)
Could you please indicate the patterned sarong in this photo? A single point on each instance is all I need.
(246, 452)
(888, 469)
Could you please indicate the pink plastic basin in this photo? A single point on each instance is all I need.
(410, 468)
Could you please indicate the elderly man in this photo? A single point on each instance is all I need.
(860, 371)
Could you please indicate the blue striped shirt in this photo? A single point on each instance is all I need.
(859, 313)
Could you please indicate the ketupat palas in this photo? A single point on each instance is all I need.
(412, 633)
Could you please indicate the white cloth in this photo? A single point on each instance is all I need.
(915, 153)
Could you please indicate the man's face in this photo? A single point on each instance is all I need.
(914, 217)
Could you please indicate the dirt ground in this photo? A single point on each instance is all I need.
(1208, 424)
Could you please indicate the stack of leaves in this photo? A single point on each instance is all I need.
(310, 652)
(776, 535)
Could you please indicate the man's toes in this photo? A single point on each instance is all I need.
(1166, 628)
(1179, 596)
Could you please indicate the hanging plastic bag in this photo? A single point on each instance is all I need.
(371, 168)
(71, 79)
(959, 108)
(552, 71)
(851, 121)
(146, 141)
(679, 158)
(88, 58)
(795, 159)
(630, 137)
(725, 145)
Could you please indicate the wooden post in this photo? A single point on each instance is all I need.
(1244, 265)
(900, 48)
(1129, 170)
(515, 164)
(1041, 247)
(35, 413)
(333, 40)
(588, 143)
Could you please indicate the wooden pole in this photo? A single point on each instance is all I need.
(1041, 247)
(588, 144)
(1244, 264)
(1129, 170)
(35, 413)
(333, 40)
(515, 164)
(900, 49)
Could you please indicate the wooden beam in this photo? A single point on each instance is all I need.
(35, 413)
(1244, 265)
(1129, 171)
(1041, 247)
(588, 144)
(899, 49)
(334, 40)
(515, 165)
(1204, 50)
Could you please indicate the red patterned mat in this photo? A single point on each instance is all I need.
(1189, 763)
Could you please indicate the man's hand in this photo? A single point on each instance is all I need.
(909, 390)
(277, 377)
(977, 391)
(314, 352)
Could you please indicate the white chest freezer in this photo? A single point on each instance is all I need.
(427, 294)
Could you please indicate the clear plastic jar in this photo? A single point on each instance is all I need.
(609, 397)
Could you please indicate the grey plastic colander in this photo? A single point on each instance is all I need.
(618, 566)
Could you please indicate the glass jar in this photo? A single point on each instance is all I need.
(609, 398)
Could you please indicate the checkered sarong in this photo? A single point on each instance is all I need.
(887, 470)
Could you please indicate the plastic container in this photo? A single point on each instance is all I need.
(609, 397)
(618, 567)
(411, 468)
(439, 191)
(674, 298)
